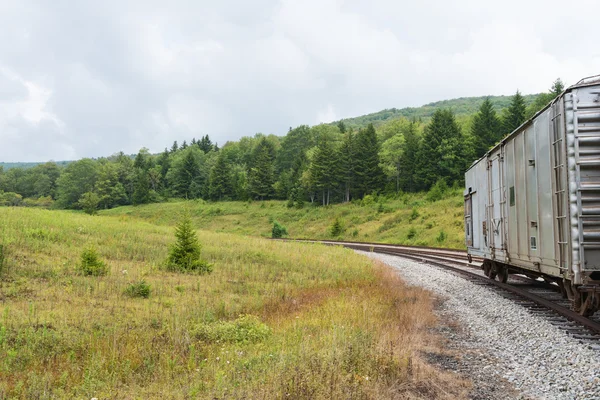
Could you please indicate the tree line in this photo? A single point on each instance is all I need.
(322, 164)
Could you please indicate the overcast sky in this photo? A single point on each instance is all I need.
(90, 78)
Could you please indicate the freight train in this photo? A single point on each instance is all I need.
(532, 202)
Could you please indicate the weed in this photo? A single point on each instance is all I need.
(91, 264)
(414, 214)
(2, 257)
(441, 238)
(245, 329)
(138, 289)
(355, 233)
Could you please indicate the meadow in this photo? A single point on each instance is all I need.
(410, 219)
(273, 320)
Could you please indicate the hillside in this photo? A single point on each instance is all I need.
(409, 220)
(25, 165)
(461, 107)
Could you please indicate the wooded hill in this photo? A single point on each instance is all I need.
(321, 164)
(463, 106)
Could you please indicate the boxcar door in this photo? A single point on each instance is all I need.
(495, 217)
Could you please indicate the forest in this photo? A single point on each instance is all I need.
(322, 164)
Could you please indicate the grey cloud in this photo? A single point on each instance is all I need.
(92, 78)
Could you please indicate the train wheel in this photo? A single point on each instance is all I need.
(502, 274)
(487, 267)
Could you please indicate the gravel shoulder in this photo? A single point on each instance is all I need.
(507, 352)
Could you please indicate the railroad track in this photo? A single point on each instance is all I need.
(539, 297)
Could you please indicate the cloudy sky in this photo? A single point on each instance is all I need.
(90, 78)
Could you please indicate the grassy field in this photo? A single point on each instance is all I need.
(274, 320)
(411, 220)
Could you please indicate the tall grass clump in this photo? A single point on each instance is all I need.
(1, 259)
(138, 289)
(185, 253)
(278, 230)
(91, 264)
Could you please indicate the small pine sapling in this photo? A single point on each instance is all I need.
(184, 254)
(278, 231)
(91, 264)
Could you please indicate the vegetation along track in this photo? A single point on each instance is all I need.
(539, 297)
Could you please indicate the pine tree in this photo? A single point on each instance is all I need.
(557, 88)
(369, 175)
(261, 172)
(205, 144)
(486, 129)
(347, 164)
(185, 254)
(184, 145)
(324, 169)
(441, 152)
(412, 142)
(175, 147)
(515, 114)
(220, 179)
(187, 175)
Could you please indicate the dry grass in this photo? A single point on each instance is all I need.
(324, 322)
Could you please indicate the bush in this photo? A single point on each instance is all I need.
(278, 231)
(438, 191)
(336, 228)
(412, 232)
(89, 202)
(414, 214)
(91, 265)
(138, 289)
(184, 254)
(245, 329)
(367, 200)
(290, 203)
(380, 208)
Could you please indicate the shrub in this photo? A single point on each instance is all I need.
(441, 238)
(336, 228)
(355, 233)
(368, 200)
(438, 191)
(278, 231)
(89, 202)
(412, 232)
(91, 265)
(380, 208)
(138, 289)
(414, 214)
(184, 254)
(290, 202)
(245, 329)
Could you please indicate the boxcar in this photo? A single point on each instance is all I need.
(532, 203)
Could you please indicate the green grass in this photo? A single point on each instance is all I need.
(273, 320)
(410, 220)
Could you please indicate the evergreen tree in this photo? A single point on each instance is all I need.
(184, 145)
(175, 147)
(515, 114)
(324, 169)
(441, 152)
(368, 172)
(341, 126)
(185, 253)
(186, 175)
(220, 179)
(557, 88)
(261, 172)
(486, 128)
(205, 144)
(347, 164)
(141, 191)
(412, 142)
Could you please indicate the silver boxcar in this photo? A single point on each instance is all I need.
(532, 203)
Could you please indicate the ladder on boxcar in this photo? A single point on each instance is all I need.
(560, 182)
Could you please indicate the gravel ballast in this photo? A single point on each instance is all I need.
(515, 346)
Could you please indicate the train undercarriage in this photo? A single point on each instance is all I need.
(585, 299)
